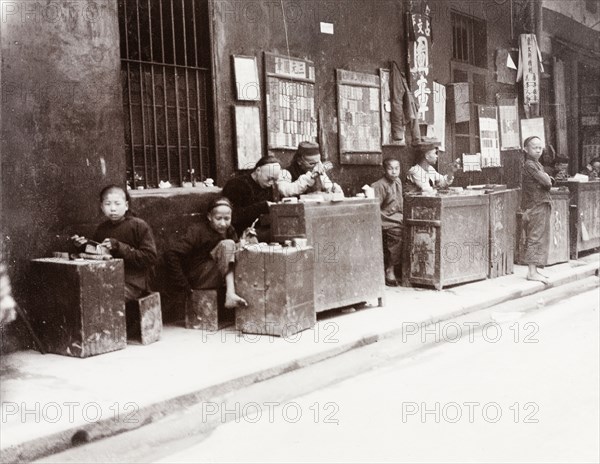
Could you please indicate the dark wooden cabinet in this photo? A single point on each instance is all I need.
(584, 215)
(78, 306)
(347, 241)
(447, 238)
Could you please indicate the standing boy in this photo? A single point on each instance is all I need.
(389, 191)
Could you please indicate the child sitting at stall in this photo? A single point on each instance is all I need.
(388, 190)
(126, 237)
(592, 170)
(205, 256)
(561, 168)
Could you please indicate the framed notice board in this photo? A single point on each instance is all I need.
(291, 114)
(248, 142)
(359, 117)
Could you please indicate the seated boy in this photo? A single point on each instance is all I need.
(389, 191)
(204, 257)
(592, 170)
(561, 168)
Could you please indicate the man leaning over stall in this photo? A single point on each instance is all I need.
(306, 173)
(423, 177)
(251, 195)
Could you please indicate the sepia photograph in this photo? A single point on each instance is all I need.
(300, 231)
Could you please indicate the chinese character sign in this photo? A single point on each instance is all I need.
(420, 69)
(530, 65)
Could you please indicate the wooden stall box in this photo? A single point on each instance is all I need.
(347, 242)
(559, 229)
(277, 283)
(584, 215)
(504, 204)
(78, 307)
(447, 238)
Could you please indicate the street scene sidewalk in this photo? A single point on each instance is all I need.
(51, 401)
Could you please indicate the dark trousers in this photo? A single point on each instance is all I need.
(536, 221)
(211, 273)
(392, 246)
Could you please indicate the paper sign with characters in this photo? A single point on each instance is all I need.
(420, 68)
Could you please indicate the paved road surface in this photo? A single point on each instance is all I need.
(527, 394)
(505, 385)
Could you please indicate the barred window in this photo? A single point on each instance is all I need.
(165, 76)
(469, 40)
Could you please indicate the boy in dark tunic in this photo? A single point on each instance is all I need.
(388, 190)
(205, 256)
(127, 237)
(536, 206)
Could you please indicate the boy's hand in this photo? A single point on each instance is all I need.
(107, 244)
(78, 241)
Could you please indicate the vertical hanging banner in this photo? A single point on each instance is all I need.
(560, 106)
(530, 65)
(421, 81)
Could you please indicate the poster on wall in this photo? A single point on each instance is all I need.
(247, 136)
(508, 114)
(291, 113)
(438, 128)
(489, 137)
(247, 86)
(359, 117)
(506, 70)
(421, 81)
(534, 126)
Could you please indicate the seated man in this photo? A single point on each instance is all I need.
(388, 190)
(251, 195)
(306, 173)
(423, 177)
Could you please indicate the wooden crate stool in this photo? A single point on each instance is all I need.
(205, 310)
(144, 319)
